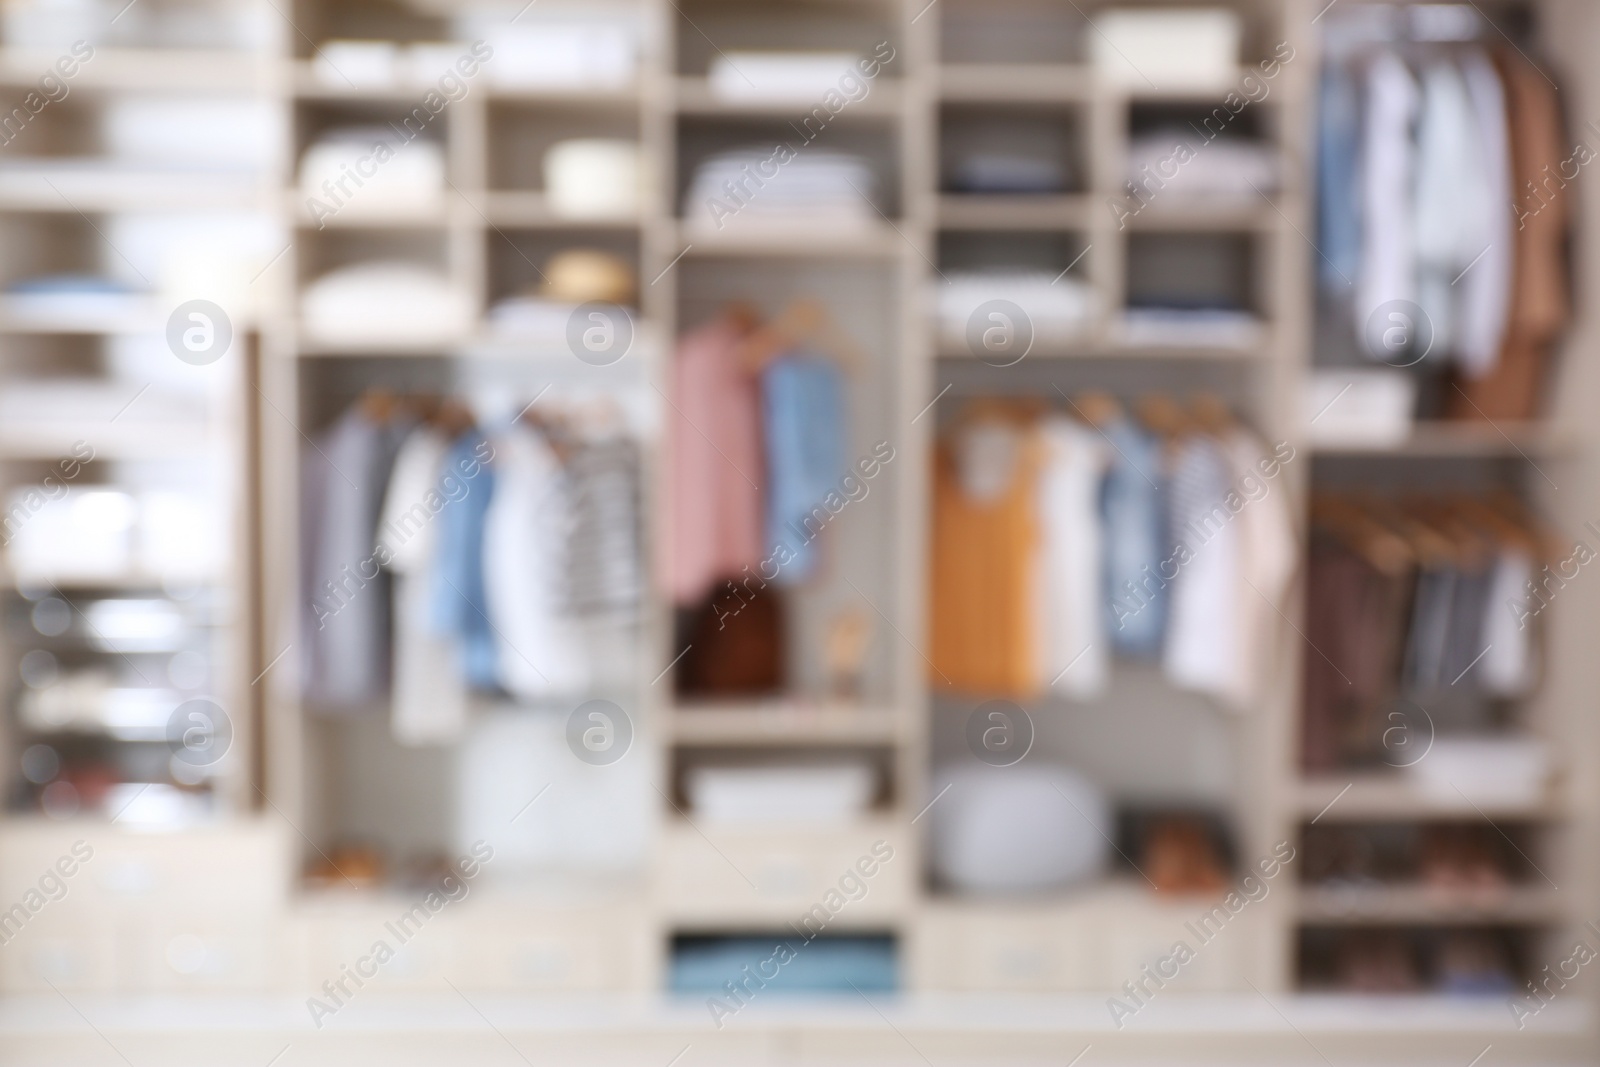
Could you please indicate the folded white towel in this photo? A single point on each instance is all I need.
(385, 302)
(779, 75)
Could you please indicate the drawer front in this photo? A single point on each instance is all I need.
(192, 952)
(72, 955)
(1042, 952)
(780, 875)
(577, 950)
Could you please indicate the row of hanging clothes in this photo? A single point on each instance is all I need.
(758, 440)
(1442, 174)
(442, 557)
(1064, 538)
(1424, 598)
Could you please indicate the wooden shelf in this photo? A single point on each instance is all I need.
(529, 209)
(694, 96)
(781, 723)
(185, 69)
(1464, 439)
(1428, 905)
(1370, 797)
(968, 211)
(871, 240)
(1015, 83)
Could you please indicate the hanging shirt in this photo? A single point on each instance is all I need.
(713, 466)
(1338, 184)
(1074, 656)
(804, 419)
(428, 701)
(1134, 518)
(348, 628)
(1388, 259)
(459, 608)
(1202, 647)
(1451, 212)
(1268, 549)
(604, 565)
(985, 534)
(1485, 302)
(538, 653)
(1507, 668)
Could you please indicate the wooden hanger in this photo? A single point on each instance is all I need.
(1163, 415)
(1210, 413)
(1097, 407)
(1348, 520)
(379, 404)
(805, 321)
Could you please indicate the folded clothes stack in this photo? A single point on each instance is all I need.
(1057, 307)
(779, 75)
(385, 301)
(391, 175)
(810, 188)
(1186, 165)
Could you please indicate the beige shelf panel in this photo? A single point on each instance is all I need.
(1015, 83)
(694, 96)
(1380, 798)
(782, 723)
(966, 211)
(1429, 905)
(1470, 440)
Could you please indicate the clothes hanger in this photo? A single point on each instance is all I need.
(806, 320)
(1384, 550)
(1098, 408)
(1163, 416)
(1210, 413)
(378, 404)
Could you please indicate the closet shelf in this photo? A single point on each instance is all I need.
(371, 219)
(121, 325)
(1146, 91)
(1095, 346)
(185, 69)
(1373, 797)
(113, 194)
(1250, 214)
(110, 442)
(782, 722)
(978, 212)
(1015, 82)
(1468, 440)
(871, 240)
(695, 97)
(530, 209)
(1429, 905)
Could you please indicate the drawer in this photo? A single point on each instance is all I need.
(73, 954)
(1007, 949)
(561, 950)
(240, 863)
(335, 943)
(1144, 932)
(779, 874)
(219, 952)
